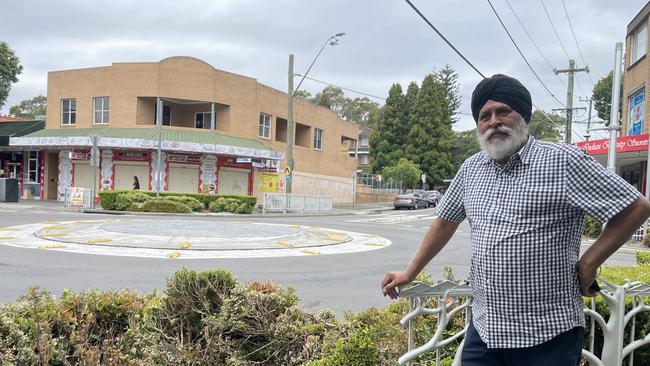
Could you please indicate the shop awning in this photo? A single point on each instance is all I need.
(208, 142)
(20, 128)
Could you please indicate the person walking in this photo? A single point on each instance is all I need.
(526, 202)
(136, 183)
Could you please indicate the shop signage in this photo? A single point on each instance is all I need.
(257, 164)
(132, 156)
(79, 155)
(187, 159)
(243, 160)
(269, 182)
(232, 163)
(635, 121)
(269, 170)
(76, 197)
(623, 144)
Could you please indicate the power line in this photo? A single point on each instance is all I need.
(554, 30)
(534, 43)
(522, 55)
(443, 38)
(342, 88)
(575, 39)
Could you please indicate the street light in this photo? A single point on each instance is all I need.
(332, 41)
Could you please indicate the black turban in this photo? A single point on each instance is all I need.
(503, 89)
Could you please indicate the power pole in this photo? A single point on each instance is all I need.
(289, 173)
(569, 96)
(590, 100)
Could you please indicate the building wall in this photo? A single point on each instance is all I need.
(637, 75)
(133, 88)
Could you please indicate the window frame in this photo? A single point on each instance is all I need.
(262, 126)
(70, 112)
(105, 101)
(205, 123)
(641, 29)
(29, 171)
(318, 138)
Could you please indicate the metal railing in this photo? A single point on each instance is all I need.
(383, 186)
(454, 298)
(280, 202)
(79, 197)
(640, 233)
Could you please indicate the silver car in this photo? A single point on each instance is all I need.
(411, 201)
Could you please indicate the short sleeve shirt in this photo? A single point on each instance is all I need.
(526, 220)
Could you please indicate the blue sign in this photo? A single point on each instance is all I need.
(635, 119)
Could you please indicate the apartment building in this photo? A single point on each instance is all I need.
(218, 132)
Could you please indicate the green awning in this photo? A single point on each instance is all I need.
(20, 128)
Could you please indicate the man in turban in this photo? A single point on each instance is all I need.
(526, 201)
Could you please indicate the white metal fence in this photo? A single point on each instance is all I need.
(455, 298)
(279, 202)
(79, 197)
(379, 185)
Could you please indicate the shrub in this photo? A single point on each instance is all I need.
(358, 350)
(125, 200)
(592, 227)
(107, 198)
(191, 202)
(163, 205)
(642, 257)
(231, 204)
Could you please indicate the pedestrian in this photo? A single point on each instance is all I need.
(526, 201)
(136, 183)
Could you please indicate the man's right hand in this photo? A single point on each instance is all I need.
(392, 280)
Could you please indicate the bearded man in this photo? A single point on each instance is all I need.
(526, 202)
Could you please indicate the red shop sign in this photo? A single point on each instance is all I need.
(232, 163)
(623, 144)
(131, 156)
(181, 158)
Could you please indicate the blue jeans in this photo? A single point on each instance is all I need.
(563, 350)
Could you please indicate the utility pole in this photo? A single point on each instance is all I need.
(289, 175)
(569, 96)
(590, 100)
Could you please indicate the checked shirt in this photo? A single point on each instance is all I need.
(526, 222)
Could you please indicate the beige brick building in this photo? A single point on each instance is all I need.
(221, 133)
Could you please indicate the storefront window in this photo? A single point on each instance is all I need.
(32, 167)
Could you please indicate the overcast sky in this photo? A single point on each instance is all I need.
(385, 41)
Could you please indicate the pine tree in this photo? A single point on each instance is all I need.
(448, 77)
(430, 136)
(387, 140)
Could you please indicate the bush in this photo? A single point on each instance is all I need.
(191, 202)
(126, 200)
(108, 197)
(234, 205)
(358, 350)
(642, 257)
(164, 205)
(592, 227)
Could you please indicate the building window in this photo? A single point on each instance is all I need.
(363, 159)
(166, 115)
(639, 42)
(202, 120)
(100, 107)
(68, 111)
(32, 167)
(363, 141)
(265, 126)
(635, 118)
(318, 138)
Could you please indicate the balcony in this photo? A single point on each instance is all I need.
(183, 113)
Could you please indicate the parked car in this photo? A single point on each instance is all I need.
(432, 197)
(411, 201)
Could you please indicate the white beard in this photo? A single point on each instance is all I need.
(502, 148)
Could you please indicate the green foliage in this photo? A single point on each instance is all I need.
(358, 350)
(592, 228)
(389, 136)
(10, 68)
(448, 77)
(547, 127)
(108, 198)
(126, 200)
(602, 97)
(430, 136)
(191, 202)
(233, 205)
(464, 145)
(404, 170)
(30, 108)
(165, 205)
(642, 257)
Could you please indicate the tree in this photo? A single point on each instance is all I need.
(331, 97)
(602, 97)
(30, 108)
(464, 145)
(10, 68)
(359, 110)
(388, 138)
(430, 136)
(448, 77)
(547, 127)
(302, 93)
(404, 170)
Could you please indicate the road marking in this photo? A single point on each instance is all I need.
(394, 219)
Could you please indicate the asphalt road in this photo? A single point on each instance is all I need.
(340, 282)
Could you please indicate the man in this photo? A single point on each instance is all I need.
(526, 201)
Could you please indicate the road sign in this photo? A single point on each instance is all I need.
(379, 178)
(287, 171)
(424, 178)
(94, 151)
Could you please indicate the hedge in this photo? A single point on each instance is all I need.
(108, 197)
(233, 205)
(164, 205)
(592, 228)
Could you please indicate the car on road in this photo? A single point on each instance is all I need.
(432, 197)
(411, 201)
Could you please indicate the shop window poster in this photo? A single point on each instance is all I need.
(635, 123)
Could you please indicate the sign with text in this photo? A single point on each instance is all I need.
(232, 163)
(623, 144)
(132, 156)
(270, 182)
(635, 120)
(79, 155)
(76, 197)
(186, 159)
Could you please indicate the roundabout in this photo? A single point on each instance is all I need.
(183, 239)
